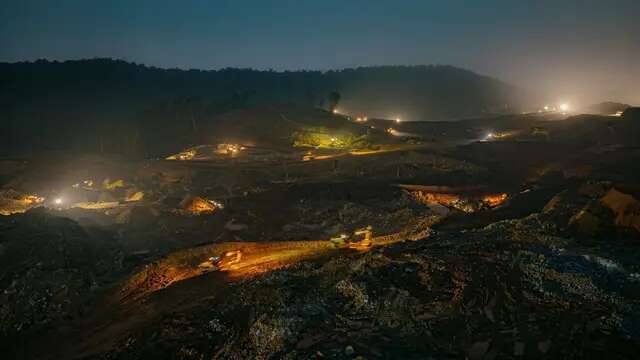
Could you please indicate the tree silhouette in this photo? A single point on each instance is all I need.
(334, 99)
(112, 106)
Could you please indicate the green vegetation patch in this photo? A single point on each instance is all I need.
(321, 137)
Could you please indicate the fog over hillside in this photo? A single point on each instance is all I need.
(345, 180)
(88, 99)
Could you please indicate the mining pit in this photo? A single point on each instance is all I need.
(449, 248)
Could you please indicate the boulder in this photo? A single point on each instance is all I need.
(133, 195)
(625, 207)
(196, 205)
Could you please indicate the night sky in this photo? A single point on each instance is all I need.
(575, 50)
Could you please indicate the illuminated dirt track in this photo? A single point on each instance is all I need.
(256, 258)
(139, 303)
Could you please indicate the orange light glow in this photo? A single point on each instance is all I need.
(495, 199)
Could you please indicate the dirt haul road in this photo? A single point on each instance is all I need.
(176, 283)
(256, 258)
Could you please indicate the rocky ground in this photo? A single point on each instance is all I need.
(552, 283)
(515, 288)
(489, 254)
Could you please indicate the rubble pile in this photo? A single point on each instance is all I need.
(195, 205)
(340, 260)
(466, 204)
(514, 288)
(625, 207)
(49, 265)
(596, 210)
(13, 202)
(326, 218)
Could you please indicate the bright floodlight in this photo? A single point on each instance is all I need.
(546, 108)
(57, 201)
(398, 120)
(564, 107)
(489, 136)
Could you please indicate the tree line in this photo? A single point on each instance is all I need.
(105, 105)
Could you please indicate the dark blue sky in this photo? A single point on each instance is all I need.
(575, 50)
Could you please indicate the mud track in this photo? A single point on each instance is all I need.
(175, 283)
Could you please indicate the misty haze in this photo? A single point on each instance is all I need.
(319, 180)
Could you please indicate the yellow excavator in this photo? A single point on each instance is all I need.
(365, 242)
(361, 239)
(222, 262)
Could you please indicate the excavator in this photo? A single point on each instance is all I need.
(361, 239)
(222, 262)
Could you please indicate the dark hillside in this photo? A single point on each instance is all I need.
(107, 105)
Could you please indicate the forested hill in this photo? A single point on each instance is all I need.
(86, 104)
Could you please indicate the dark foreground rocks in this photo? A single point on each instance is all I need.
(49, 267)
(515, 288)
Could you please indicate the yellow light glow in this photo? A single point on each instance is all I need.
(564, 107)
(57, 201)
(398, 120)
